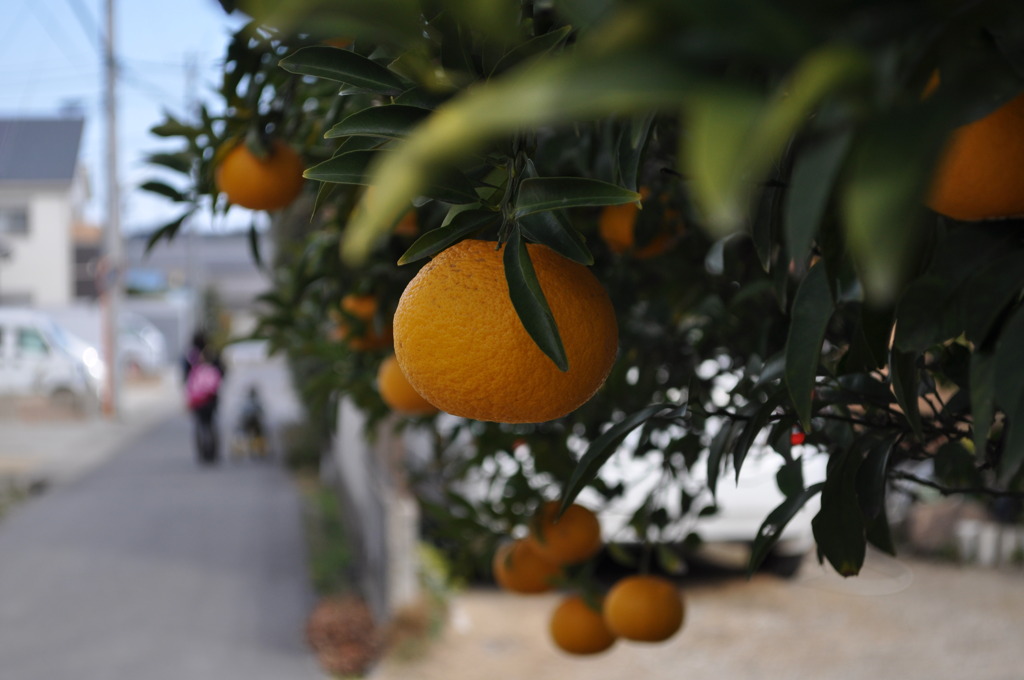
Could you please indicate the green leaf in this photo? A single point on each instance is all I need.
(550, 229)
(720, 444)
(254, 246)
(164, 190)
(839, 528)
(579, 85)
(345, 168)
(905, 381)
(814, 174)
(602, 448)
(734, 135)
(989, 292)
(172, 127)
(774, 524)
(1009, 392)
(168, 231)
(812, 309)
(529, 301)
(344, 66)
(538, 194)
(179, 162)
(881, 200)
(982, 391)
(632, 144)
(873, 477)
(436, 240)
(758, 415)
(539, 44)
(790, 478)
(393, 122)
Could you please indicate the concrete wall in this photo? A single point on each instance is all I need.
(381, 518)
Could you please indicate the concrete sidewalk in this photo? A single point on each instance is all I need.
(150, 566)
(137, 563)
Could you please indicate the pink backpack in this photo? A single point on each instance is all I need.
(202, 384)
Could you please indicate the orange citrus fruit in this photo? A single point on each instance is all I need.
(569, 539)
(397, 393)
(577, 628)
(463, 347)
(269, 183)
(517, 567)
(617, 228)
(363, 308)
(644, 608)
(979, 175)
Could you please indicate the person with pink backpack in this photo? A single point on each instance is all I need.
(203, 374)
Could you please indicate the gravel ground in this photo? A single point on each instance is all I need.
(903, 619)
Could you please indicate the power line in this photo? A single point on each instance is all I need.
(88, 24)
(57, 36)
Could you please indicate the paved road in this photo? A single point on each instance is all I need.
(149, 567)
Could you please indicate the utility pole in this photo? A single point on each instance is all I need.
(113, 256)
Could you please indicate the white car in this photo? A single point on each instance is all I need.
(141, 347)
(39, 357)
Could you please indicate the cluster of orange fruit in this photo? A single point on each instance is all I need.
(642, 607)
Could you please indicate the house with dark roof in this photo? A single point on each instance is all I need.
(43, 190)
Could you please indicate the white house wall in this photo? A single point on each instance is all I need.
(41, 261)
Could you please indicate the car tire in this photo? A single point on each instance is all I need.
(783, 565)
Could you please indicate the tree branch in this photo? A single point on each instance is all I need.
(954, 490)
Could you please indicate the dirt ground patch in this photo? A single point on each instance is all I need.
(904, 619)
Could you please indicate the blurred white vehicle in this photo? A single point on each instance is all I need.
(39, 357)
(141, 347)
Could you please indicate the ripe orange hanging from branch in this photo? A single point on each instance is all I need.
(518, 568)
(463, 347)
(268, 183)
(578, 628)
(644, 608)
(363, 308)
(397, 393)
(979, 175)
(572, 538)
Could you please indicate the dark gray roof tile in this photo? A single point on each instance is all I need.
(39, 149)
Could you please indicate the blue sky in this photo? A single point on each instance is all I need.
(51, 56)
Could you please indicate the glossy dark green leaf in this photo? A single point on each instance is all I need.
(345, 168)
(529, 301)
(552, 229)
(814, 174)
(905, 381)
(632, 145)
(179, 162)
(776, 521)
(872, 478)
(756, 418)
(343, 66)
(167, 231)
(436, 240)
(394, 122)
(989, 292)
(538, 194)
(721, 443)
(956, 465)
(983, 400)
(790, 478)
(254, 246)
(839, 527)
(812, 309)
(534, 46)
(887, 174)
(1009, 391)
(878, 533)
(602, 448)
(165, 190)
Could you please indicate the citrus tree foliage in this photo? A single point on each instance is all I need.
(785, 147)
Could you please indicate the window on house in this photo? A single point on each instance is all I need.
(13, 220)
